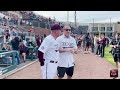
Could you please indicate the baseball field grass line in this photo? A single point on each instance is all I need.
(108, 56)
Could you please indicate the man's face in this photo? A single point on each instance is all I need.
(102, 36)
(67, 32)
(58, 33)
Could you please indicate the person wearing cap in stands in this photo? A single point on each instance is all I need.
(48, 53)
(68, 46)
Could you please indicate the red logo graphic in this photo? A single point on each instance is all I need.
(114, 73)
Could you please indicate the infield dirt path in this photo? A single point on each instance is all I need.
(87, 66)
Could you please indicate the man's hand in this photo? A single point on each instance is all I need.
(42, 63)
(69, 50)
(65, 49)
(75, 51)
(72, 50)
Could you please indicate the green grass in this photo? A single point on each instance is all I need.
(108, 56)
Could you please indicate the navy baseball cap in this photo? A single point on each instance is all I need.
(56, 27)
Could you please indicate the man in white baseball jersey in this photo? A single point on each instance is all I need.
(48, 53)
(68, 46)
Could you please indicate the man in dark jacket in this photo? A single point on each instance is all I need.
(115, 45)
(15, 46)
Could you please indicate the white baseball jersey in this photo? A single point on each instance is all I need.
(50, 48)
(66, 58)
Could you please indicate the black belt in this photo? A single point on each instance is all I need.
(56, 50)
(53, 61)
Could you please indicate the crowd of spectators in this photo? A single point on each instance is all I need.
(30, 18)
(13, 35)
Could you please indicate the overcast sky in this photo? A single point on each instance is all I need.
(83, 16)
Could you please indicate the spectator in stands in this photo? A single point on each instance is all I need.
(44, 36)
(14, 32)
(23, 36)
(7, 47)
(15, 43)
(38, 41)
(24, 42)
(7, 35)
(15, 46)
(23, 51)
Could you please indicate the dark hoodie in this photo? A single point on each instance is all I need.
(15, 43)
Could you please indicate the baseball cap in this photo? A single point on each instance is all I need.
(56, 27)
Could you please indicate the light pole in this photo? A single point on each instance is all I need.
(75, 20)
(110, 25)
(67, 17)
(93, 25)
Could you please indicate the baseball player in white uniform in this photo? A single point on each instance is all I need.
(48, 53)
(68, 46)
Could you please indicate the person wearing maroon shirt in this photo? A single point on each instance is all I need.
(38, 41)
(107, 41)
(102, 45)
(22, 48)
(7, 35)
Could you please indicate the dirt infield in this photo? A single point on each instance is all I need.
(87, 66)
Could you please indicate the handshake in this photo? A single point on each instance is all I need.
(72, 50)
(42, 62)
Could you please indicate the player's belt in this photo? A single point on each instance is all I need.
(53, 61)
(56, 50)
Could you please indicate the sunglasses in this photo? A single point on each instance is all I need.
(67, 29)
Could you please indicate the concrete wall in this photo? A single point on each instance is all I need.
(117, 28)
